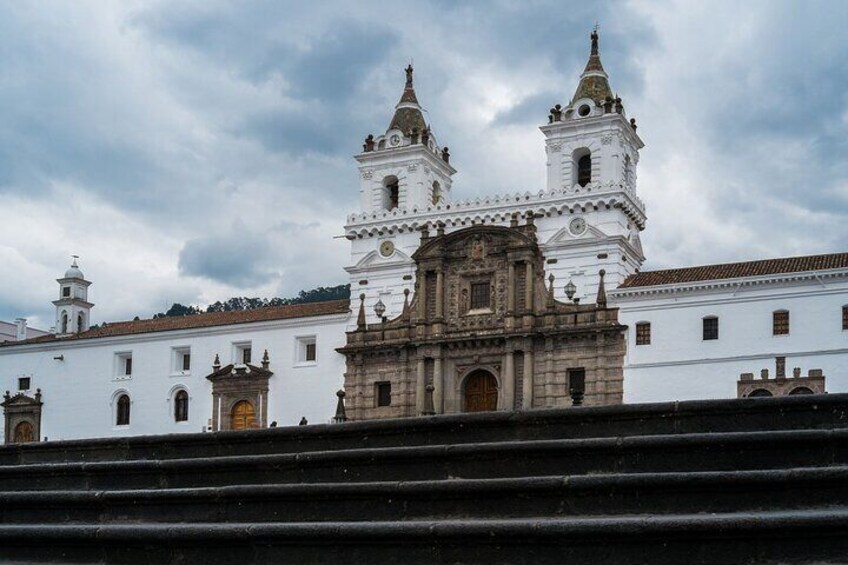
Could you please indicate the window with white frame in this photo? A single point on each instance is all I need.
(123, 365)
(122, 405)
(242, 353)
(181, 360)
(307, 350)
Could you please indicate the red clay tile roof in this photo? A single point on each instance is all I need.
(201, 321)
(738, 270)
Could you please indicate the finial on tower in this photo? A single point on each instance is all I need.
(409, 76)
(601, 300)
(360, 319)
(74, 262)
(594, 37)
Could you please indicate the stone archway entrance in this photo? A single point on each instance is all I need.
(24, 433)
(243, 416)
(481, 392)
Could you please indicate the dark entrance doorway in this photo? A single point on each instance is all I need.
(481, 392)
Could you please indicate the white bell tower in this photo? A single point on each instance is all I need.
(405, 168)
(592, 154)
(590, 143)
(73, 308)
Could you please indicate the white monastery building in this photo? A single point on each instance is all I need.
(690, 332)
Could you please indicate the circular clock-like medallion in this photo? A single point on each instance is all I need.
(395, 139)
(387, 248)
(577, 226)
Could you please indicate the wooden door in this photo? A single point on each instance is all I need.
(243, 416)
(23, 433)
(481, 392)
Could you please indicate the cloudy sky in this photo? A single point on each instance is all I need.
(193, 151)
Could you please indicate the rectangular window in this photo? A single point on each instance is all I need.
(845, 317)
(780, 322)
(577, 380)
(122, 368)
(710, 328)
(643, 333)
(66, 291)
(242, 352)
(480, 295)
(23, 383)
(306, 350)
(384, 394)
(180, 360)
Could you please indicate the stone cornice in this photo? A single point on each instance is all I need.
(768, 357)
(727, 284)
(403, 156)
(175, 335)
(498, 208)
(595, 123)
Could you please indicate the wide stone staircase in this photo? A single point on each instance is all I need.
(718, 482)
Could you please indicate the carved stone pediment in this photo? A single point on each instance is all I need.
(22, 416)
(475, 243)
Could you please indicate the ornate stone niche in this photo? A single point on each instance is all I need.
(22, 415)
(240, 395)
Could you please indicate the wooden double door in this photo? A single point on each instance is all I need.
(481, 392)
(243, 416)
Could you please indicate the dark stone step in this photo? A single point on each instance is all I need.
(786, 413)
(638, 454)
(811, 536)
(615, 494)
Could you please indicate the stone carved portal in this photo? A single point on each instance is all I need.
(243, 416)
(240, 396)
(481, 392)
(22, 417)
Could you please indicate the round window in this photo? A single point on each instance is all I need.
(584, 110)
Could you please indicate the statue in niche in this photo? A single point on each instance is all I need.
(478, 249)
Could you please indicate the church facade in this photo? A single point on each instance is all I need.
(503, 302)
(483, 332)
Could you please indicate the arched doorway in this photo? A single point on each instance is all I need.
(243, 416)
(760, 393)
(481, 392)
(23, 433)
(800, 390)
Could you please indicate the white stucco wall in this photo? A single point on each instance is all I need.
(680, 365)
(79, 391)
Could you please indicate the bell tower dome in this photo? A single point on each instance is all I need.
(405, 168)
(73, 308)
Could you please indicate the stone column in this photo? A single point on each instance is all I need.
(508, 380)
(510, 290)
(440, 296)
(438, 385)
(422, 294)
(528, 287)
(527, 388)
(216, 412)
(420, 384)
